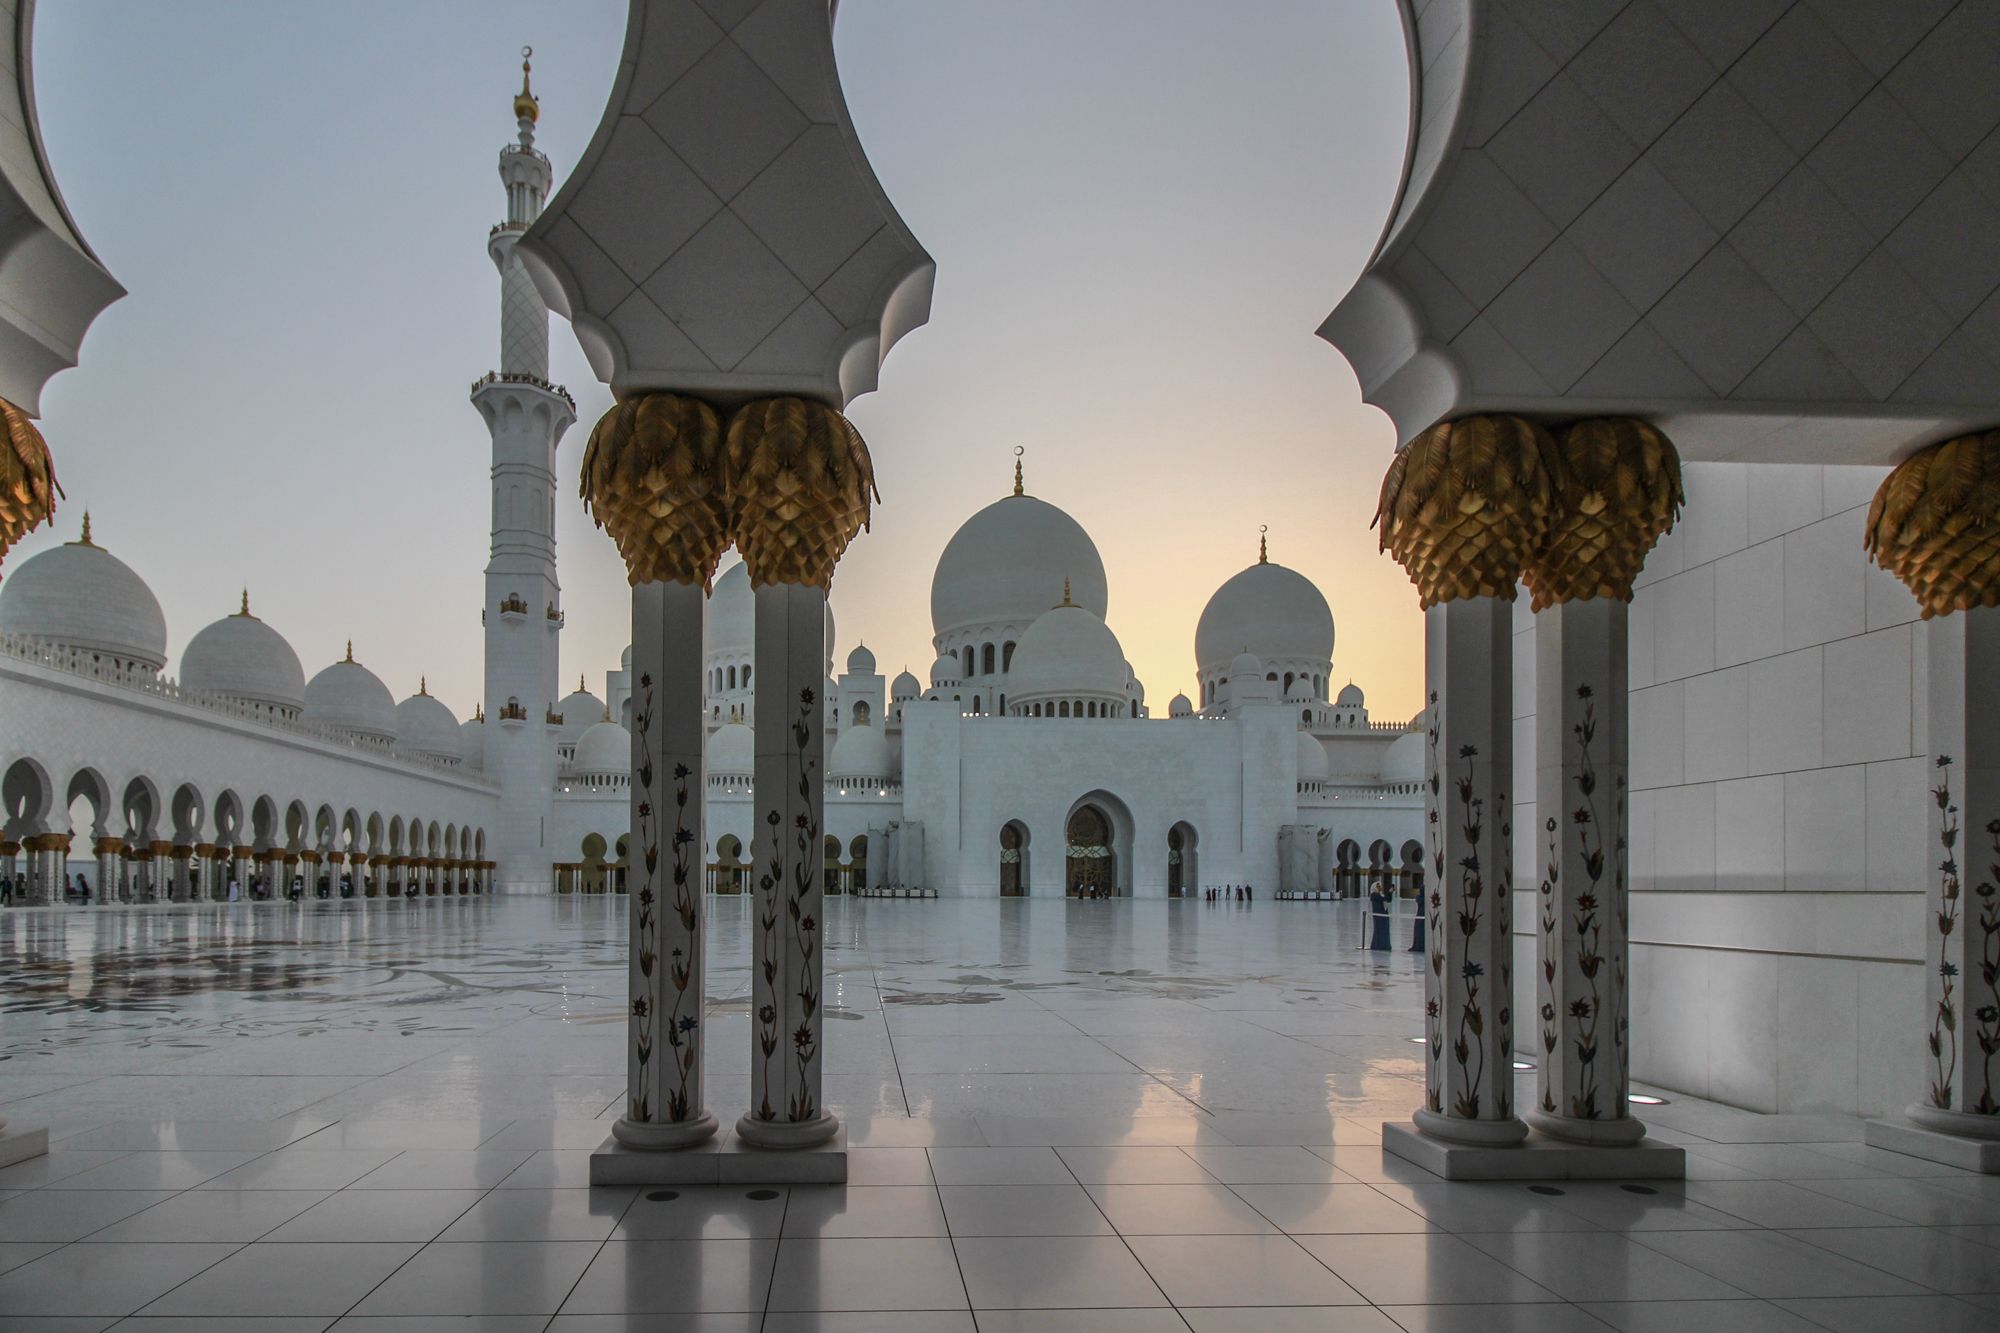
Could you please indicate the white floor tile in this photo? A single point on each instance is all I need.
(102, 1279)
(703, 1212)
(1425, 1269)
(212, 1215)
(556, 1214)
(381, 1215)
(1320, 1209)
(70, 1214)
(1239, 1270)
(1133, 1166)
(1743, 1316)
(269, 1279)
(881, 1274)
(483, 1278)
(1598, 1266)
(1054, 1273)
(1022, 1210)
(1775, 1266)
(675, 1276)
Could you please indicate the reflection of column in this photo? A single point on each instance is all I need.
(201, 879)
(106, 889)
(1618, 490)
(801, 483)
(652, 475)
(239, 869)
(1935, 524)
(1464, 507)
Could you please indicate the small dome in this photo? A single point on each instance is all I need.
(1246, 666)
(348, 697)
(625, 659)
(905, 686)
(1404, 759)
(944, 671)
(732, 749)
(1007, 563)
(240, 657)
(472, 743)
(1180, 706)
(81, 596)
(1350, 696)
(1269, 610)
(1068, 650)
(1301, 691)
(730, 614)
(861, 752)
(425, 726)
(1313, 765)
(861, 662)
(581, 710)
(604, 747)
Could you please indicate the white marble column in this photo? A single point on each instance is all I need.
(1582, 901)
(105, 888)
(1469, 964)
(664, 1106)
(788, 962)
(1961, 1033)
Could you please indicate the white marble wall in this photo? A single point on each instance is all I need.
(1778, 773)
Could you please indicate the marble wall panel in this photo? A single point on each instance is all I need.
(1750, 604)
(1826, 827)
(1868, 697)
(1783, 497)
(1684, 625)
(1657, 720)
(1741, 1007)
(1717, 744)
(1670, 1044)
(1889, 1066)
(1785, 710)
(1749, 857)
(1819, 1016)
(1825, 595)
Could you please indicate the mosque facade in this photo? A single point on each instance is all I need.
(1026, 761)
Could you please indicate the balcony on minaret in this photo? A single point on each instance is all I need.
(555, 617)
(516, 377)
(513, 604)
(511, 711)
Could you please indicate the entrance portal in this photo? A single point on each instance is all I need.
(1182, 867)
(1089, 864)
(1014, 859)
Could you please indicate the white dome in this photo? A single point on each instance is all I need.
(1404, 759)
(347, 697)
(1301, 691)
(82, 596)
(861, 662)
(1069, 650)
(861, 752)
(241, 657)
(1007, 565)
(605, 747)
(905, 686)
(1180, 706)
(729, 618)
(581, 710)
(625, 659)
(472, 743)
(1246, 666)
(1268, 610)
(732, 748)
(1313, 765)
(1350, 696)
(944, 671)
(424, 725)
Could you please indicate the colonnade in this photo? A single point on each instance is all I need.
(40, 866)
(1476, 507)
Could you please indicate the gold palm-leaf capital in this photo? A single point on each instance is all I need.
(1935, 524)
(802, 485)
(1618, 491)
(1466, 505)
(28, 487)
(653, 477)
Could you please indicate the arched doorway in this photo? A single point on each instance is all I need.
(728, 872)
(857, 863)
(1090, 859)
(1410, 874)
(1183, 868)
(1014, 859)
(830, 866)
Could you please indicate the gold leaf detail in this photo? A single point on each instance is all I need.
(1618, 491)
(802, 486)
(1935, 524)
(1466, 505)
(28, 487)
(652, 476)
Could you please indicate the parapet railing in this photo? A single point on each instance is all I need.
(523, 377)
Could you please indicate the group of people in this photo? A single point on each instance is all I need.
(1219, 893)
(75, 889)
(1092, 889)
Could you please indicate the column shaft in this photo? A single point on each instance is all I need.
(1962, 935)
(1583, 902)
(1469, 968)
(788, 966)
(664, 1107)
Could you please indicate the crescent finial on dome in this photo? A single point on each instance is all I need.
(424, 685)
(526, 107)
(1263, 544)
(1066, 601)
(350, 651)
(1018, 451)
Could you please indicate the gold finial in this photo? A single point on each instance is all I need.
(1066, 601)
(1263, 547)
(1018, 451)
(579, 683)
(244, 610)
(525, 106)
(85, 540)
(350, 650)
(423, 685)
(607, 710)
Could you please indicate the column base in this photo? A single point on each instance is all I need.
(723, 1160)
(1963, 1151)
(18, 1144)
(787, 1135)
(1620, 1133)
(1535, 1158)
(669, 1136)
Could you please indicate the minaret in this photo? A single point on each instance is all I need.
(527, 416)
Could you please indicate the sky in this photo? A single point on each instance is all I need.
(1140, 211)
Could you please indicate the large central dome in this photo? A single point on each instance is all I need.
(1271, 611)
(1007, 564)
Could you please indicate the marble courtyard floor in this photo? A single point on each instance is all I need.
(1065, 1117)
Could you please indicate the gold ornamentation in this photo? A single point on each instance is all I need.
(28, 486)
(526, 106)
(1935, 524)
(802, 484)
(1018, 451)
(1618, 491)
(1466, 505)
(652, 476)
